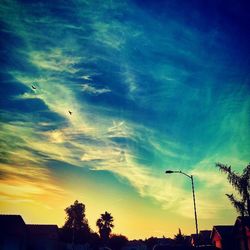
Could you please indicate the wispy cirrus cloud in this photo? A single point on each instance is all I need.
(87, 88)
(27, 183)
(54, 61)
(101, 153)
(148, 102)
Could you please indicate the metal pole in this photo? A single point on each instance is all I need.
(195, 213)
(192, 181)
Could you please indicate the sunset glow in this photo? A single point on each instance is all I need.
(122, 91)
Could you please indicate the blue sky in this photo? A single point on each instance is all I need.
(151, 86)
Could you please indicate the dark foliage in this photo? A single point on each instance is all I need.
(76, 228)
(241, 183)
(76, 216)
(105, 225)
(151, 242)
(180, 239)
(118, 241)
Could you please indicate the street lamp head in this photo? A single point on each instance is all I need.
(169, 172)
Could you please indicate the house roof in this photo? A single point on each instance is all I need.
(12, 224)
(224, 231)
(46, 231)
(204, 236)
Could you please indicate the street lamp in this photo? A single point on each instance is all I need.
(192, 181)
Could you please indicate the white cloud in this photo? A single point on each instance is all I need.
(54, 60)
(94, 91)
(120, 129)
(56, 67)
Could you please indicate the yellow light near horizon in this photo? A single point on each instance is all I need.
(132, 218)
(41, 199)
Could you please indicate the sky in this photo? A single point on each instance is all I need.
(152, 85)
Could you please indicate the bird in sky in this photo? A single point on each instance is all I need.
(70, 112)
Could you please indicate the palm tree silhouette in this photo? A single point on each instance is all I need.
(105, 225)
(241, 183)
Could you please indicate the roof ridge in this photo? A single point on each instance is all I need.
(223, 225)
(10, 215)
(41, 225)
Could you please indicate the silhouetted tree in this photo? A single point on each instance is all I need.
(179, 238)
(76, 216)
(118, 241)
(151, 242)
(241, 183)
(76, 228)
(95, 241)
(105, 225)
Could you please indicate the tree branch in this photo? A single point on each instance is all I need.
(232, 177)
(239, 205)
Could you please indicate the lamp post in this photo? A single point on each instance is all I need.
(192, 181)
